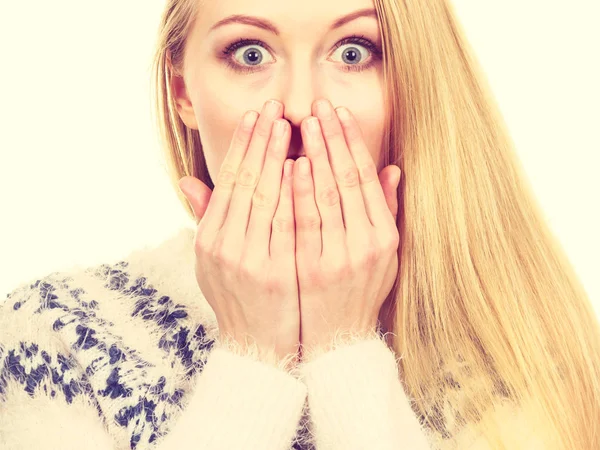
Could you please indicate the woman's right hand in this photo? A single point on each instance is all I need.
(245, 240)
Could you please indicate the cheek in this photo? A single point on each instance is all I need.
(369, 111)
(372, 123)
(217, 122)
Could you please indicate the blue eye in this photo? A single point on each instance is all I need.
(252, 56)
(250, 59)
(247, 53)
(353, 56)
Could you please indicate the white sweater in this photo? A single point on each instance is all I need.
(127, 356)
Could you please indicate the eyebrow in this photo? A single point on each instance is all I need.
(270, 26)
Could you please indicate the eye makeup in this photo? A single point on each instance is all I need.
(228, 54)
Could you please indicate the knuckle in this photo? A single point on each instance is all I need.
(253, 271)
(227, 176)
(340, 269)
(225, 259)
(368, 173)
(246, 177)
(249, 269)
(348, 177)
(353, 133)
(314, 276)
(260, 200)
(202, 246)
(243, 136)
(263, 130)
(330, 196)
(393, 240)
(309, 222)
(273, 284)
(273, 152)
(282, 224)
(369, 256)
(320, 157)
(331, 132)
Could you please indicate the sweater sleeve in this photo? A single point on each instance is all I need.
(357, 400)
(240, 401)
(47, 401)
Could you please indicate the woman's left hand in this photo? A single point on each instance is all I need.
(346, 233)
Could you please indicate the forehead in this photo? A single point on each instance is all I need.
(288, 15)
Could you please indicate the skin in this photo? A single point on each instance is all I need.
(298, 67)
(350, 270)
(347, 262)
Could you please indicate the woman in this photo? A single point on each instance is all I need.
(211, 341)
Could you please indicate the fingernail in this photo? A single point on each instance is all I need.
(287, 167)
(304, 167)
(250, 119)
(342, 113)
(313, 125)
(278, 128)
(272, 107)
(324, 109)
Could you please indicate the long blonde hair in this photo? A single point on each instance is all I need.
(486, 310)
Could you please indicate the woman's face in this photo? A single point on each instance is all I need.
(292, 54)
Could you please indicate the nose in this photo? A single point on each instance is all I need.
(298, 92)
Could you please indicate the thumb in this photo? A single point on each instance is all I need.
(389, 178)
(197, 194)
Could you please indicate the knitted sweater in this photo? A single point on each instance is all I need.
(127, 356)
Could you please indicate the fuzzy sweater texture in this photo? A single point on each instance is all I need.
(127, 356)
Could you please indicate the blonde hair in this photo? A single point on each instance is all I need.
(486, 312)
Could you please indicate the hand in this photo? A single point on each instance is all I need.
(245, 241)
(346, 241)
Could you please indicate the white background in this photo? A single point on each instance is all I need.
(82, 179)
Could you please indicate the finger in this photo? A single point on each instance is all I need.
(374, 199)
(306, 214)
(267, 193)
(283, 236)
(344, 169)
(236, 223)
(389, 178)
(216, 211)
(326, 192)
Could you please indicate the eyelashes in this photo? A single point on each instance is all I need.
(228, 54)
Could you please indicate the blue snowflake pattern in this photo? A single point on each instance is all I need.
(100, 366)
